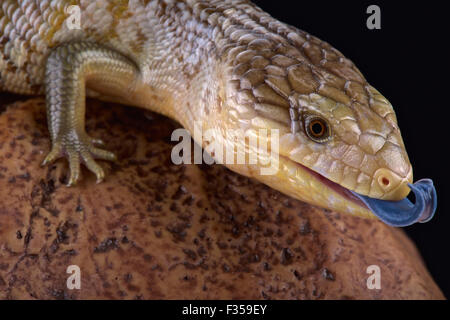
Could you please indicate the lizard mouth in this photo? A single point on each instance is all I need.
(394, 213)
(342, 191)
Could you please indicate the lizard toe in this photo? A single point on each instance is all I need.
(54, 154)
(74, 165)
(92, 165)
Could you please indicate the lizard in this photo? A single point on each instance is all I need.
(231, 66)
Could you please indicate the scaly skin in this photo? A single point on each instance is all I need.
(225, 63)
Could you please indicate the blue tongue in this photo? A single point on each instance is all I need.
(404, 213)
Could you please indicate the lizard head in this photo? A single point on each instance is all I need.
(340, 146)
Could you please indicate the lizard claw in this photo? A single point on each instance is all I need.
(54, 154)
(98, 142)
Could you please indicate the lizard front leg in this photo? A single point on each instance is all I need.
(69, 67)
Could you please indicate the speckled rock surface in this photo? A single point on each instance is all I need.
(154, 230)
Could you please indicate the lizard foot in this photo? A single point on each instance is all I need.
(79, 148)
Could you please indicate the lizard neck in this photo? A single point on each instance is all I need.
(194, 45)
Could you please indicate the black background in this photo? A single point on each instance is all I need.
(407, 61)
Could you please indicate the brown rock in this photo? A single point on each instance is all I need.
(156, 230)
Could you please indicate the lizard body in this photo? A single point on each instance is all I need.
(229, 65)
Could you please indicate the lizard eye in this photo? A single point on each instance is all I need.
(317, 129)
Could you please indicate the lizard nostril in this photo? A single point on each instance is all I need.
(385, 181)
(389, 185)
